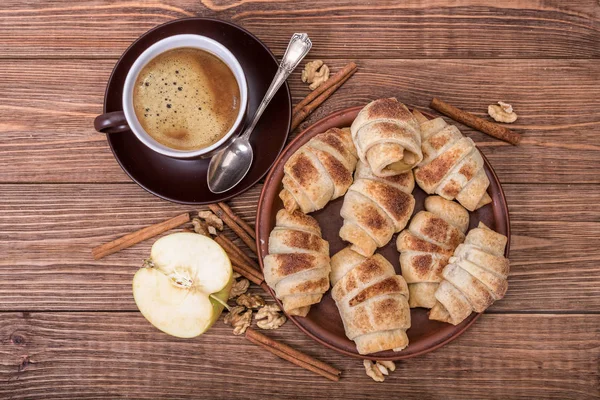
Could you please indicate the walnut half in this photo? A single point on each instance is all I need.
(315, 73)
(372, 371)
(378, 370)
(200, 227)
(269, 317)
(211, 220)
(502, 112)
(239, 287)
(239, 318)
(250, 300)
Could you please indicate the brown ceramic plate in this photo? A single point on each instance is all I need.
(184, 181)
(323, 322)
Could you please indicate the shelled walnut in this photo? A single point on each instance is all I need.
(239, 287)
(315, 73)
(250, 300)
(502, 112)
(378, 370)
(239, 318)
(200, 227)
(211, 220)
(270, 317)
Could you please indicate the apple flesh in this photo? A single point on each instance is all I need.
(186, 285)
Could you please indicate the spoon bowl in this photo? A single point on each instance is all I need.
(229, 166)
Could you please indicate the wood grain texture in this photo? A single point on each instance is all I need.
(46, 241)
(47, 111)
(68, 325)
(407, 29)
(114, 355)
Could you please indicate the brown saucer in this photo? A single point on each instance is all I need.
(184, 181)
(323, 322)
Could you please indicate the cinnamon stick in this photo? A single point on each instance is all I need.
(238, 220)
(294, 356)
(230, 246)
(232, 256)
(244, 269)
(239, 264)
(139, 236)
(308, 109)
(234, 227)
(345, 72)
(248, 269)
(487, 127)
(248, 274)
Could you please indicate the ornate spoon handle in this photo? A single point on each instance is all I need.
(299, 46)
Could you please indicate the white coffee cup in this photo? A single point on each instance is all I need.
(127, 120)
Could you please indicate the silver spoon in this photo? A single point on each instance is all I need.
(229, 166)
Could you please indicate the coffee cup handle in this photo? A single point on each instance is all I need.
(112, 122)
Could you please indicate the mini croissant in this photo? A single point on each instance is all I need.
(452, 166)
(475, 277)
(297, 266)
(372, 301)
(387, 137)
(375, 208)
(319, 171)
(426, 246)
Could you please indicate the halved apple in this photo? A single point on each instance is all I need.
(185, 284)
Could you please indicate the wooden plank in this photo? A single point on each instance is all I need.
(92, 355)
(48, 113)
(553, 227)
(407, 29)
(47, 233)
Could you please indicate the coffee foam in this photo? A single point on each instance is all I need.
(186, 99)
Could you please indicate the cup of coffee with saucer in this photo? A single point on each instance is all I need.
(184, 97)
(216, 75)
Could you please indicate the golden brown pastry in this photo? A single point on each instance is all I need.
(319, 171)
(387, 137)
(426, 246)
(452, 166)
(475, 277)
(372, 300)
(375, 208)
(297, 266)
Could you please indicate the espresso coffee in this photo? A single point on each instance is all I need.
(186, 99)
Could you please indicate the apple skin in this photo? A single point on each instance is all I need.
(172, 308)
(222, 295)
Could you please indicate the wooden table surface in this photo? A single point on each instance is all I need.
(69, 327)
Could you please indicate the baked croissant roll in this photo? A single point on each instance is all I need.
(452, 166)
(297, 266)
(475, 277)
(426, 246)
(387, 137)
(372, 300)
(375, 208)
(319, 171)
